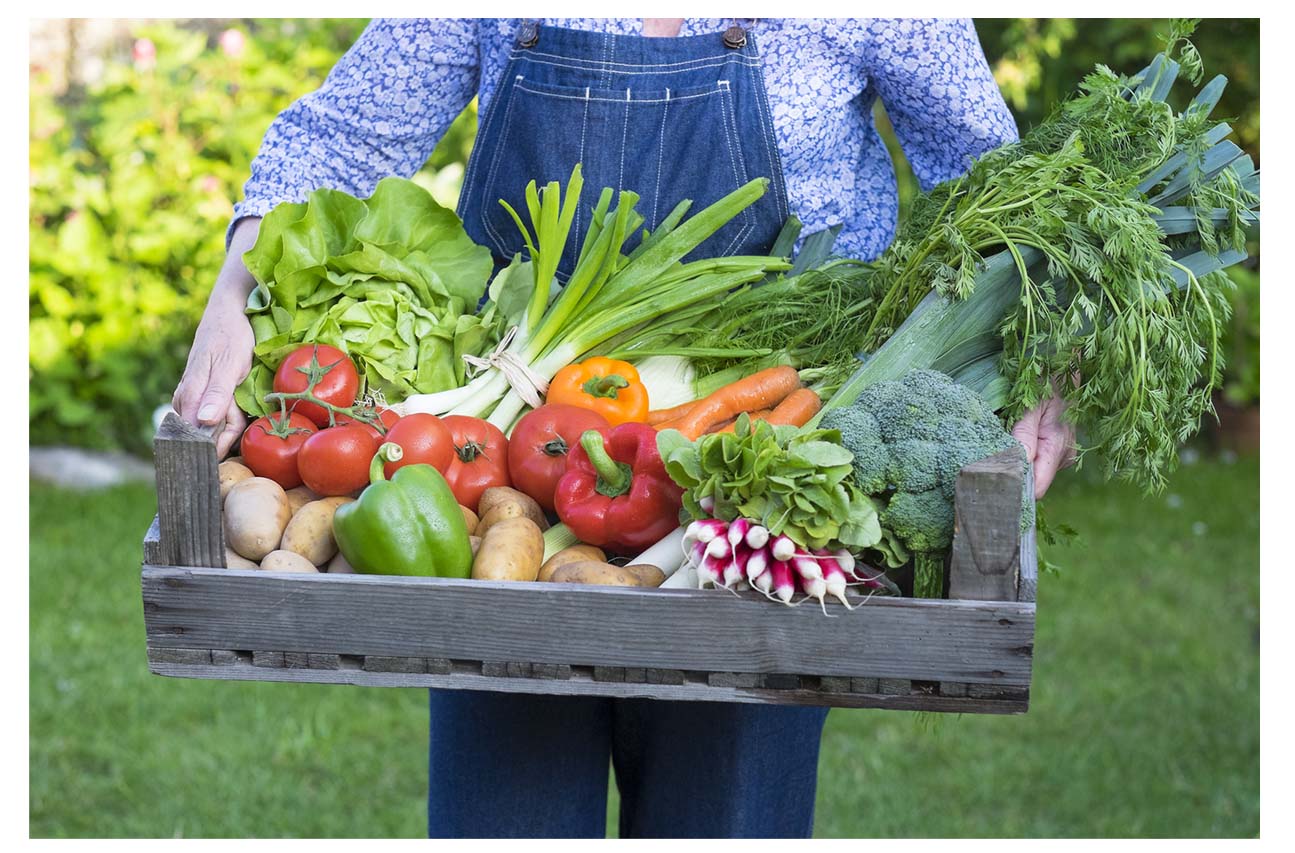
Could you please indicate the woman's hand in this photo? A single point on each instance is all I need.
(219, 359)
(1049, 441)
(221, 355)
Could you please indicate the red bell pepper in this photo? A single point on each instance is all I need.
(616, 493)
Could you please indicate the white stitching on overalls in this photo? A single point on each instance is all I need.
(660, 160)
(590, 65)
(673, 97)
(584, 123)
(490, 178)
(730, 131)
(588, 97)
(625, 129)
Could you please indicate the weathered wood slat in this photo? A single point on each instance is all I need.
(600, 627)
(986, 554)
(586, 686)
(1028, 588)
(153, 555)
(181, 656)
(188, 495)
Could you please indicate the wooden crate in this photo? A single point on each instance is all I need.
(971, 653)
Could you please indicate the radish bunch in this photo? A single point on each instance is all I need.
(743, 555)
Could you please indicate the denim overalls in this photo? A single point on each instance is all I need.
(669, 118)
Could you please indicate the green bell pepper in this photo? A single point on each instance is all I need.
(408, 525)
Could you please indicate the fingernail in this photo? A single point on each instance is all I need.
(207, 413)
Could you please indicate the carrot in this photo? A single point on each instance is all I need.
(751, 393)
(796, 409)
(659, 416)
(731, 423)
(672, 424)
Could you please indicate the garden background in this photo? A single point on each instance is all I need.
(1145, 716)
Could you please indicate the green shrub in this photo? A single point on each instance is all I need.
(1241, 340)
(132, 183)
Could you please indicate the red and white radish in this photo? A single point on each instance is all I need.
(737, 531)
(834, 578)
(756, 564)
(704, 530)
(734, 571)
(806, 566)
(784, 587)
(782, 548)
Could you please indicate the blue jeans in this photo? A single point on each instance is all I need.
(511, 765)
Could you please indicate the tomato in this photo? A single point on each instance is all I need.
(480, 458)
(387, 416)
(424, 438)
(537, 449)
(269, 447)
(335, 461)
(337, 385)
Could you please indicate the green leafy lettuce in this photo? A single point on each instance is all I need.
(392, 280)
(793, 482)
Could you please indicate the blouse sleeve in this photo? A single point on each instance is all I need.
(940, 95)
(381, 111)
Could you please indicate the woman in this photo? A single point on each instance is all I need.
(672, 109)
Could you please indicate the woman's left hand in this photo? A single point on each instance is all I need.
(1049, 441)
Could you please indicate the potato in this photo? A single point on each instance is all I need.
(595, 572)
(231, 474)
(470, 518)
(310, 532)
(286, 561)
(495, 496)
(339, 566)
(647, 574)
(573, 554)
(256, 514)
(299, 497)
(475, 542)
(234, 561)
(511, 550)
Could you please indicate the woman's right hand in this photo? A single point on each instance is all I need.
(220, 358)
(221, 355)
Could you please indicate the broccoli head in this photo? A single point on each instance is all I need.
(910, 437)
(922, 520)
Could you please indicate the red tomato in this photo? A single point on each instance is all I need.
(335, 461)
(269, 447)
(480, 458)
(387, 416)
(424, 439)
(537, 449)
(338, 385)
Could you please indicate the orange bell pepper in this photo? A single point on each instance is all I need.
(603, 385)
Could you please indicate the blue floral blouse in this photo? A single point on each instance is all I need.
(391, 97)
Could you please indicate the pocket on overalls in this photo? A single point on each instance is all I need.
(665, 145)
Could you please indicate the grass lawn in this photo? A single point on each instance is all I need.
(1144, 717)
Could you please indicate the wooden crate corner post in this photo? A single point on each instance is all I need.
(188, 496)
(992, 558)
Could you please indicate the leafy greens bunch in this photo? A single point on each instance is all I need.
(794, 482)
(392, 280)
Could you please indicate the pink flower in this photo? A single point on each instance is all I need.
(232, 42)
(210, 184)
(144, 55)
